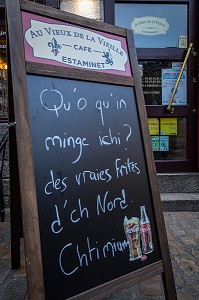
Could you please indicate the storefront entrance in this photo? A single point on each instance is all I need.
(165, 34)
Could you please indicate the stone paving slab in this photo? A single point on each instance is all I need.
(183, 237)
(179, 196)
(180, 202)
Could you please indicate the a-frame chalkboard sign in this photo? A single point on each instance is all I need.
(91, 208)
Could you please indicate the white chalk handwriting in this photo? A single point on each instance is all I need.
(83, 258)
(53, 100)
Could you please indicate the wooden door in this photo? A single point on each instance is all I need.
(163, 32)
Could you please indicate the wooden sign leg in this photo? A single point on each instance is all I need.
(15, 204)
(3, 144)
(169, 283)
(15, 200)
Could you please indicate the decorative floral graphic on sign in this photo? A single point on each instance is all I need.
(108, 56)
(54, 46)
(139, 236)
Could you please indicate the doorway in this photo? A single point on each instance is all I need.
(167, 49)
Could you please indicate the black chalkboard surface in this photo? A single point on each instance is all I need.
(90, 174)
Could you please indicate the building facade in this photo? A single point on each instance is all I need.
(167, 48)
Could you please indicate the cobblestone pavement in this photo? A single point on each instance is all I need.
(183, 236)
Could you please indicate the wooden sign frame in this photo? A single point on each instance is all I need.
(20, 67)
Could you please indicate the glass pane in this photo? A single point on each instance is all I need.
(158, 81)
(38, 1)
(168, 138)
(52, 3)
(154, 25)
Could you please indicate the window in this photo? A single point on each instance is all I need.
(158, 80)
(154, 25)
(168, 138)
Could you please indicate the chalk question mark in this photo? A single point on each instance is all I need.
(130, 131)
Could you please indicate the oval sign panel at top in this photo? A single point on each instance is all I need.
(63, 44)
